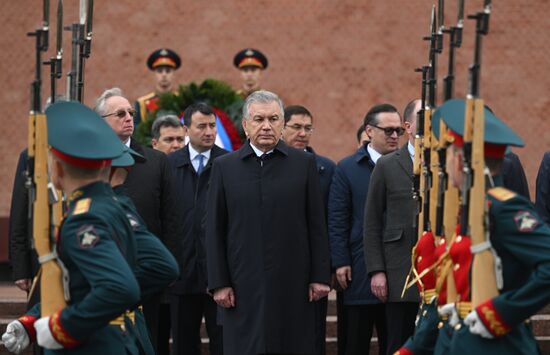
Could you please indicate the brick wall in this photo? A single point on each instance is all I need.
(338, 58)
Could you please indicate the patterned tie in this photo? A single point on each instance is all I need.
(200, 168)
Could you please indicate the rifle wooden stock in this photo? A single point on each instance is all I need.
(433, 168)
(483, 276)
(417, 172)
(450, 214)
(51, 285)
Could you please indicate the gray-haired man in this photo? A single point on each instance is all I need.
(266, 242)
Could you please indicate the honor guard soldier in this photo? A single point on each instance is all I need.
(163, 62)
(517, 239)
(156, 268)
(251, 63)
(95, 244)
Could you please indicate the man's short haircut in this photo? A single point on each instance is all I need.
(264, 97)
(408, 113)
(360, 132)
(76, 172)
(371, 118)
(164, 121)
(102, 100)
(201, 107)
(296, 110)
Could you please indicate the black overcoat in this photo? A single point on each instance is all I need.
(189, 249)
(266, 237)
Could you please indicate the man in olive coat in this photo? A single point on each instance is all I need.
(266, 240)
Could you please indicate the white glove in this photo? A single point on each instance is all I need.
(476, 326)
(44, 336)
(15, 338)
(449, 311)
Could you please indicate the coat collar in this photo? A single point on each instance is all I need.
(181, 157)
(404, 159)
(362, 154)
(246, 150)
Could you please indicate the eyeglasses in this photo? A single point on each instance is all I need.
(297, 127)
(122, 113)
(389, 130)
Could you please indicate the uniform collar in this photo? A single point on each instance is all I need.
(96, 187)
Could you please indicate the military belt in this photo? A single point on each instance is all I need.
(463, 309)
(120, 319)
(427, 295)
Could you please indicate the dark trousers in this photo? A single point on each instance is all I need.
(157, 318)
(341, 323)
(320, 325)
(361, 321)
(187, 313)
(400, 317)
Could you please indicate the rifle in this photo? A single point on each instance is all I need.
(474, 207)
(41, 193)
(56, 63)
(455, 41)
(80, 49)
(85, 44)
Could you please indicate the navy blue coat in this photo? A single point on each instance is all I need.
(346, 206)
(189, 248)
(325, 168)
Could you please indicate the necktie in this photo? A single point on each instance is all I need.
(201, 164)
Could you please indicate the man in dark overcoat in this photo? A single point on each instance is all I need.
(189, 301)
(266, 240)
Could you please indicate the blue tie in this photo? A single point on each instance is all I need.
(201, 164)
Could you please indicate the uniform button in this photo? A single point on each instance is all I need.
(424, 313)
(419, 259)
(456, 267)
(459, 239)
(458, 326)
(439, 325)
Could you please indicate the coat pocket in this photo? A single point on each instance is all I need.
(392, 235)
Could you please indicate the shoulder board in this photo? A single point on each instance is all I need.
(82, 206)
(147, 97)
(501, 194)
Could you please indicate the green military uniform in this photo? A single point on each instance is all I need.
(156, 268)
(95, 244)
(521, 241)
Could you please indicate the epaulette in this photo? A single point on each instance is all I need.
(146, 97)
(82, 206)
(501, 193)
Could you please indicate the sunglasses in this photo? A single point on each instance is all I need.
(389, 130)
(122, 113)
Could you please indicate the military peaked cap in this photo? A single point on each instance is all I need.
(78, 136)
(250, 57)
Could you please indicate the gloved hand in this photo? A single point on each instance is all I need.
(476, 326)
(449, 310)
(15, 338)
(44, 336)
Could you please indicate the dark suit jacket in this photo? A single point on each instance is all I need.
(266, 238)
(388, 229)
(189, 249)
(151, 186)
(514, 175)
(346, 206)
(325, 168)
(22, 257)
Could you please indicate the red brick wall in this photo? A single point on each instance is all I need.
(338, 58)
